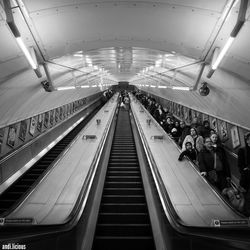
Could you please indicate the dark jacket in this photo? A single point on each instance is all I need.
(243, 158)
(191, 154)
(206, 161)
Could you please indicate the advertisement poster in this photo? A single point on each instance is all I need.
(46, 120)
(40, 123)
(23, 130)
(52, 114)
(223, 131)
(12, 135)
(1, 138)
(235, 137)
(33, 124)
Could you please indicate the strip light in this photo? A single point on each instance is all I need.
(26, 52)
(66, 88)
(162, 87)
(181, 88)
(222, 53)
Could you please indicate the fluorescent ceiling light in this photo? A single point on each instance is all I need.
(94, 86)
(84, 86)
(66, 88)
(26, 52)
(152, 86)
(222, 53)
(181, 88)
(162, 87)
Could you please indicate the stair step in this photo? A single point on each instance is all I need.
(123, 243)
(123, 230)
(124, 156)
(123, 208)
(129, 168)
(124, 218)
(117, 184)
(123, 164)
(128, 199)
(123, 178)
(123, 191)
(123, 173)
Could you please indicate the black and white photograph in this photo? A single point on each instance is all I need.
(126, 124)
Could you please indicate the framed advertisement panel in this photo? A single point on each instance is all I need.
(23, 130)
(235, 137)
(33, 124)
(12, 134)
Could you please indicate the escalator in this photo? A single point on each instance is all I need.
(123, 220)
(12, 196)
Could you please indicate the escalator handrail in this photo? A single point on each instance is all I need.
(170, 212)
(28, 143)
(37, 230)
(84, 193)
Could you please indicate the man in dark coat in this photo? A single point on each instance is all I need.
(213, 165)
(244, 163)
(244, 168)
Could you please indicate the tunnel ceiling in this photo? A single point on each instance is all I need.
(124, 38)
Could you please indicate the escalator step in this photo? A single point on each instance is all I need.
(123, 191)
(123, 173)
(123, 208)
(123, 168)
(123, 184)
(130, 218)
(123, 178)
(123, 230)
(123, 243)
(128, 199)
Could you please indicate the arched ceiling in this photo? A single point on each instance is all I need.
(120, 39)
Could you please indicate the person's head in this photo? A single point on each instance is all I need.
(177, 124)
(182, 124)
(214, 138)
(168, 120)
(188, 145)
(208, 143)
(247, 139)
(193, 132)
(173, 131)
(212, 131)
(206, 124)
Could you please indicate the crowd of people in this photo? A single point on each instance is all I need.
(201, 145)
